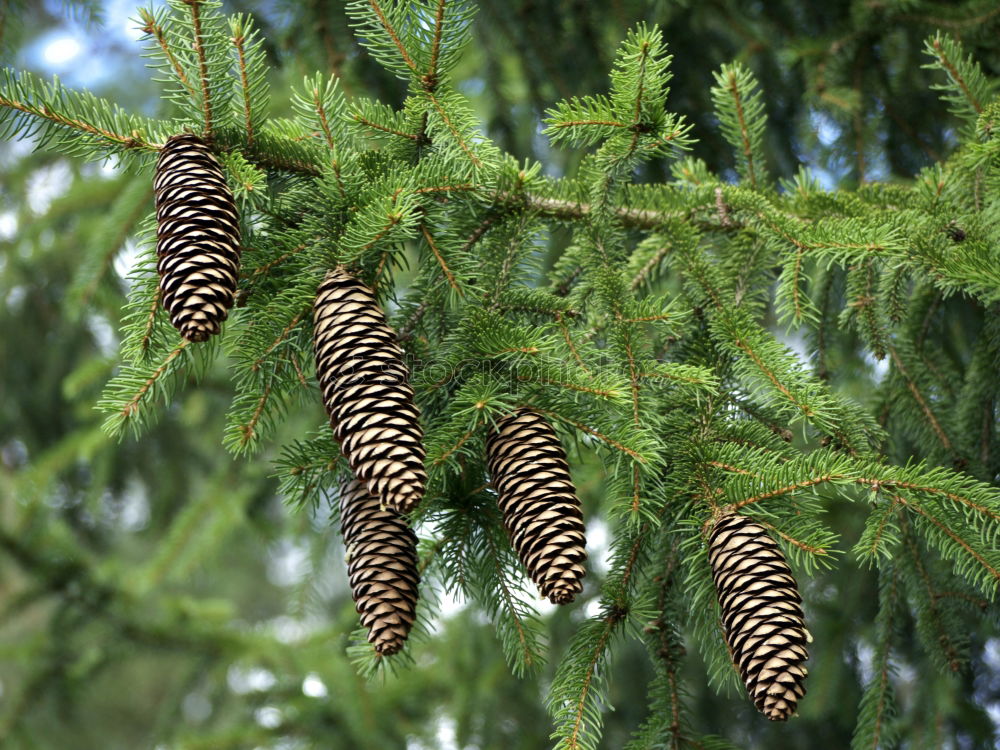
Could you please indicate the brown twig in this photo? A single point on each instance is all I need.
(392, 35)
(737, 96)
(277, 342)
(921, 401)
(199, 48)
(441, 262)
(956, 76)
(133, 141)
(244, 85)
(150, 320)
(431, 76)
(157, 32)
(133, 405)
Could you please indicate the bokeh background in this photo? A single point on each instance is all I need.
(158, 593)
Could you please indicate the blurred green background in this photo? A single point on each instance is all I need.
(158, 593)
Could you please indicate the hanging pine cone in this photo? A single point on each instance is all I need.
(381, 566)
(539, 504)
(197, 237)
(761, 612)
(367, 392)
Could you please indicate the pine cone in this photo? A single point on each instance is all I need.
(381, 566)
(367, 392)
(539, 504)
(197, 237)
(761, 612)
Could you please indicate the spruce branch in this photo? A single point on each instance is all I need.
(241, 55)
(128, 410)
(430, 77)
(153, 27)
(969, 87)
(653, 345)
(591, 431)
(384, 128)
(932, 616)
(199, 48)
(282, 337)
(455, 129)
(146, 339)
(925, 408)
(449, 276)
(582, 715)
(528, 657)
(59, 112)
(968, 546)
(739, 106)
(251, 66)
(393, 35)
(877, 710)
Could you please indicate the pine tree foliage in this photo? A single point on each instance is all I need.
(665, 341)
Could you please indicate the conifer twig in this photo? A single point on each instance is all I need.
(944, 639)
(249, 429)
(591, 431)
(147, 335)
(277, 342)
(564, 327)
(406, 332)
(734, 92)
(794, 487)
(393, 35)
(956, 76)
(238, 41)
(604, 393)
(508, 597)
(430, 78)
(266, 268)
(455, 133)
(328, 135)
(199, 48)
(376, 126)
(648, 267)
(951, 534)
(921, 401)
(132, 141)
(762, 366)
(441, 262)
(157, 32)
(133, 404)
(610, 624)
(461, 441)
(884, 674)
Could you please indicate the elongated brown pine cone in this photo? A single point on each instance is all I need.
(366, 391)
(197, 237)
(381, 566)
(761, 612)
(540, 509)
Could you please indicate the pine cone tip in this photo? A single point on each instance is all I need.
(197, 332)
(389, 646)
(405, 499)
(566, 593)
